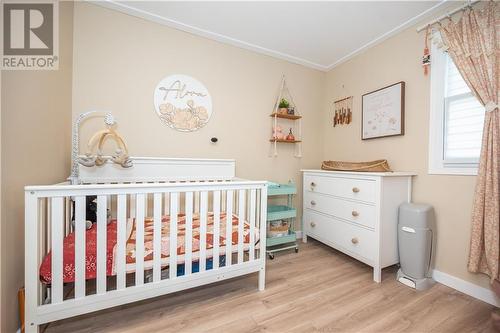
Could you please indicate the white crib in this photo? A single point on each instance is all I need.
(153, 187)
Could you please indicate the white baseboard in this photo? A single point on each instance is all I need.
(298, 234)
(471, 289)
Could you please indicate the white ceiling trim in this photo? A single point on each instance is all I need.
(388, 34)
(122, 7)
(205, 33)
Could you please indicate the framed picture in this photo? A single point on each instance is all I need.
(383, 112)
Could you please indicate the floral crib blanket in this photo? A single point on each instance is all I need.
(91, 245)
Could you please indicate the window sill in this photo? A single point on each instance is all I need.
(453, 171)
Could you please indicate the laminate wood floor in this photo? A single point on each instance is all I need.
(316, 290)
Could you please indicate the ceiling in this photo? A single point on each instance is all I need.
(320, 35)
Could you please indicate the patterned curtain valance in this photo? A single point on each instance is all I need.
(473, 43)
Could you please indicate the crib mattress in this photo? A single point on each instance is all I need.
(91, 245)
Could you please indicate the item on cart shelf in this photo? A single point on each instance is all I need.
(278, 228)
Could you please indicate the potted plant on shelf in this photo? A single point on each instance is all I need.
(283, 106)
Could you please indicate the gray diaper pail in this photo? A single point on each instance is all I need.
(415, 237)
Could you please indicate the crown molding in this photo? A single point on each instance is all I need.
(389, 34)
(124, 8)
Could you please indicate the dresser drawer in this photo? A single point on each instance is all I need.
(350, 188)
(352, 211)
(341, 235)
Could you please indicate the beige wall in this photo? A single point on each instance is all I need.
(119, 59)
(115, 61)
(398, 59)
(36, 125)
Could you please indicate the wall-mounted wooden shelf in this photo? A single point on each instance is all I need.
(286, 123)
(286, 116)
(284, 141)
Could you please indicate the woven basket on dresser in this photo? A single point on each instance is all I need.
(373, 166)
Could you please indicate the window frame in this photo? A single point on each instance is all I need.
(437, 125)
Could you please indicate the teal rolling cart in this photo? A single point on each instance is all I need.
(281, 213)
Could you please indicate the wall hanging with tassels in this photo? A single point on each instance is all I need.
(342, 111)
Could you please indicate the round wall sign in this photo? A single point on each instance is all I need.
(183, 103)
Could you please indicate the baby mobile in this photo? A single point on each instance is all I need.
(343, 111)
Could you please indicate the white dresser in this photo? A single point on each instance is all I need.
(356, 213)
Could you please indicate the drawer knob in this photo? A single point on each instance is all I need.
(313, 203)
(355, 189)
(313, 224)
(313, 185)
(354, 240)
(355, 213)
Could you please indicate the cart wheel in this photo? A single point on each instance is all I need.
(271, 256)
(296, 250)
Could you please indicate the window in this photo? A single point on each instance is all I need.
(456, 122)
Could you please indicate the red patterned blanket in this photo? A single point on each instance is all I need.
(91, 245)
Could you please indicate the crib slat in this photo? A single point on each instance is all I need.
(49, 225)
(101, 243)
(139, 239)
(80, 231)
(252, 225)
(121, 221)
(229, 227)
(189, 234)
(41, 241)
(216, 229)
(241, 222)
(157, 237)
(173, 235)
(57, 222)
(203, 230)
